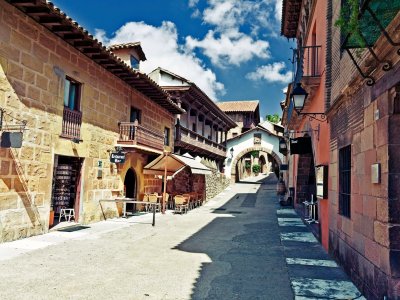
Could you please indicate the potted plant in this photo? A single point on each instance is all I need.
(256, 169)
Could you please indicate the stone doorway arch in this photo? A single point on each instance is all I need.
(237, 158)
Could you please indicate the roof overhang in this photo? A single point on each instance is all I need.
(290, 17)
(52, 18)
(173, 163)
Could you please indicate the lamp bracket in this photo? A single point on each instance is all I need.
(320, 117)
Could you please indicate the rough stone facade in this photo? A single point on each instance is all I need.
(367, 118)
(33, 66)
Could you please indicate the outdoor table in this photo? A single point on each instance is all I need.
(129, 200)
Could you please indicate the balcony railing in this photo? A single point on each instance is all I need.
(194, 139)
(307, 62)
(71, 123)
(135, 134)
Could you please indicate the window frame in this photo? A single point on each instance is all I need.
(77, 97)
(344, 190)
(167, 136)
(139, 114)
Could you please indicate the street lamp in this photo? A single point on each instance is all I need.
(282, 146)
(299, 96)
(231, 151)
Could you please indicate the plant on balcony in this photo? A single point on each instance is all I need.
(256, 169)
(349, 22)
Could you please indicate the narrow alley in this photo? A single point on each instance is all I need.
(239, 245)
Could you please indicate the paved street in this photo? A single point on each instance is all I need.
(239, 245)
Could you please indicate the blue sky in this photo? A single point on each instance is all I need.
(231, 49)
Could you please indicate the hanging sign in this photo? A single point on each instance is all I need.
(11, 139)
(300, 145)
(117, 157)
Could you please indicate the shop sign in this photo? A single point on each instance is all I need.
(11, 139)
(300, 145)
(117, 157)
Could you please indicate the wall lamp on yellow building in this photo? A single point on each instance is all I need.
(299, 96)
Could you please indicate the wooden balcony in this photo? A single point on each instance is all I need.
(190, 140)
(136, 134)
(71, 124)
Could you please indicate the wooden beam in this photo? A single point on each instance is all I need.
(92, 50)
(73, 36)
(50, 20)
(62, 28)
(24, 2)
(83, 44)
(38, 11)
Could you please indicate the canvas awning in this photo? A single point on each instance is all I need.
(173, 163)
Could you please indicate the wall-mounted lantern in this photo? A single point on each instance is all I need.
(282, 146)
(231, 151)
(299, 96)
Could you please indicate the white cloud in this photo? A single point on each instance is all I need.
(278, 10)
(160, 44)
(232, 48)
(233, 39)
(193, 3)
(272, 73)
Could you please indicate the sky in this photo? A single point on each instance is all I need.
(231, 49)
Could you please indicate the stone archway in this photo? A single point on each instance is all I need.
(236, 159)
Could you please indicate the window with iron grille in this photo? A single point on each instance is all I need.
(72, 116)
(345, 181)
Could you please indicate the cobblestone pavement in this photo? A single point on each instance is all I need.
(239, 245)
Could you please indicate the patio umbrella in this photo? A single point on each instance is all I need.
(169, 164)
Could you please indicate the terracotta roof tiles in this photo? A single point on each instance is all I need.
(238, 106)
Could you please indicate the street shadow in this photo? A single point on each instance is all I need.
(243, 245)
(270, 179)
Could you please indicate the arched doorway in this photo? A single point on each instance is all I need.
(238, 164)
(130, 187)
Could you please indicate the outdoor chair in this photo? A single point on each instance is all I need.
(145, 199)
(153, 198)
(189, 200)
(181, 204)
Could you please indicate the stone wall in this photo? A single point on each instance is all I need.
(33, 66)
(215, 184)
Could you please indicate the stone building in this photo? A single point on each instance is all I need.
(361, 103)
(245, 113)
(364, 170)
(257, 146)
(307, 24)
(79, 102)
(200, 131)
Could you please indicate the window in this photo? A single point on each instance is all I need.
(134, 62)
(166, 136)
(136, 114)
(72, 117)
(72, 91)
(257, 139)
(345, 181)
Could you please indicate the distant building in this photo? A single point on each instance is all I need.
(201, 131)
(131, 53)
(245, 113)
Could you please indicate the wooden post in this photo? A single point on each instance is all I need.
(165, 185)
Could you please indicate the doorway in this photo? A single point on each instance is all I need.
(65, 187)
(130, 187)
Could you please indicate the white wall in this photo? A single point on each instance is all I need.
(246, 141)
